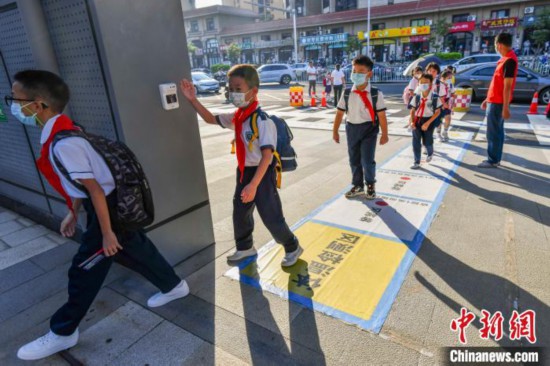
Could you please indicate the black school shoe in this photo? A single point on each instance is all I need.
(371, 192)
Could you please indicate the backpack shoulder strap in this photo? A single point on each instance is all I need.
(417, 100)
(255, 130)
(58, 137)
(435, 98)
(374, 95)
(347, 92)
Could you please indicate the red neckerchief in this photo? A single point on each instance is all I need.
(240, 116)
(420, 110)
(364, 96)
(44, 164)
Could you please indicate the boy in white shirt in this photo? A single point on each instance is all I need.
(339, 82)
(446, 78)
(39, 98)
(365, 116)
(425, 110)
(312, 77)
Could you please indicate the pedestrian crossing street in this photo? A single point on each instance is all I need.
(320, 118)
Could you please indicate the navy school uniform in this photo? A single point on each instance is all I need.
(267, 198)
(361, 133)
(139, 254)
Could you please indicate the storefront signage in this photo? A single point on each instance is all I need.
(400, 32)
(499, 23)
(327, 38)
(462, 27)
(419, 39)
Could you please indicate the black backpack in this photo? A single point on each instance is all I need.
(374, 96)
(435, 98)
(134, 208)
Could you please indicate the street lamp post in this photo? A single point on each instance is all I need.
(368, 29)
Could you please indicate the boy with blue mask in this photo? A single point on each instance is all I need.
(256, 175)
(426, 106)
(365, 113)
(39, 98)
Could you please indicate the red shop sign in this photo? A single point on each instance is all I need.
(418, 39)
(499, 23)
(462, 27)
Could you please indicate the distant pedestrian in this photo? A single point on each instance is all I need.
(312, 77)
(339, 82)
(499, 97)
(327, 83)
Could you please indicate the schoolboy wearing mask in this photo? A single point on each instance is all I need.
(365, 116)
(256, 175)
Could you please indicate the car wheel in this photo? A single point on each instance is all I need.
(286, 79)
(544, 96)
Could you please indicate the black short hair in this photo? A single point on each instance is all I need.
(247, 72)
(433, 65)
(504, 39)
(427, 76)
(417, 69)
(45, 85)
(363, 60)
(446, 74)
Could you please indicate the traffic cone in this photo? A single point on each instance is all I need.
(324, 100)
(313, 101)
(534, 104)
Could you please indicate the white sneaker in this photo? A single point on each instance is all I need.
(415, 166)
(439, 137)
(445, 136)
(47, 345)
(429, 158)
(177, 292)
(291, 258)
(237, 255)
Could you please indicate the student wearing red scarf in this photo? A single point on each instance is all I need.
(38, 99)
(256, 175)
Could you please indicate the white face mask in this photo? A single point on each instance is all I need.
(424, 87)
(238, 99)
(449, 82)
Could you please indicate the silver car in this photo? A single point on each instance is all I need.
(276, 73)
(204, 83)
(528, 82)
(475, 60)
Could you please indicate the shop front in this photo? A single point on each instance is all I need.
(286, 54)
(213, 55)
(460, 37)
(490, 28)
(330, 46)
(247, 53)
(414, 41)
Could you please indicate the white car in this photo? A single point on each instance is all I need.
(276, 73)
(475, 60)
(300, 69)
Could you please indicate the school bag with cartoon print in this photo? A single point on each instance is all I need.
(284, 152)
(134, 207)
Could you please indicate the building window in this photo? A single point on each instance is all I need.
(247, 40)
(497, 14)
(460, 18)
(265, 37)
(418, 22)
(390, 2)
(286, 36)
(343, 5)
(194, 26)
(337, 30)
(378, 26)
(326, 4)
(210, 25)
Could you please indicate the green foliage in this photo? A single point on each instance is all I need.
(191, 48)
(353, 44)
(234, 53)
(438, 31)
(449, 55)
(217, 67)
(541, 34)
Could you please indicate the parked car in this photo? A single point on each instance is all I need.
(478, 78)
(204, 70)
(276, 73)
(204, 83)
(300, 69)
(471, 61)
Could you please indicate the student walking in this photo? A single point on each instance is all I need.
(446, 112)
(312, 78)
(424, 112)
(39, 98)
(410, 89)
(365, 115)
(256, 175)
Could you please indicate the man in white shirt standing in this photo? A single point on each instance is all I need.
(338, 82)
(312, 77)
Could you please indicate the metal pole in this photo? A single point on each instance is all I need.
(368, 30)
(295, 32)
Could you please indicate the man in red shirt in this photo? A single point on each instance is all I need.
(498, 99)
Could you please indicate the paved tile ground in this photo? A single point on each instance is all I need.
(488, 248)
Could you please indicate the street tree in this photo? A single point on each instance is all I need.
(438, 32)
(234, 53)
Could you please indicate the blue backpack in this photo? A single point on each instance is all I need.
(284, 152)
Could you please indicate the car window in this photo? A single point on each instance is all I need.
(280, 67)
(198, 76)
(522, 74)
(266, 68)
(467, 61)
(486, 71)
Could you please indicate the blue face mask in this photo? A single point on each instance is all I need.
(358, 79)
(16, 111)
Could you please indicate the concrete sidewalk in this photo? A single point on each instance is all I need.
(488, 248)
